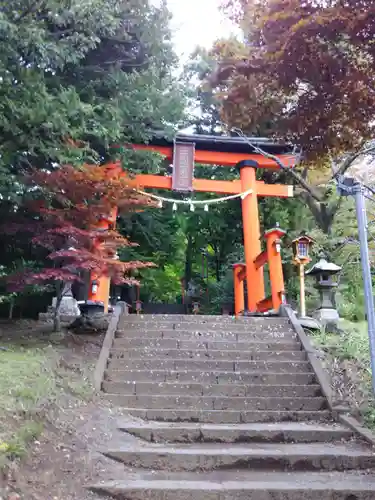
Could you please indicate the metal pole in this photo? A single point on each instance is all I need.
(366, 272)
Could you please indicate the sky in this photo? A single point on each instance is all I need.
(197, 22)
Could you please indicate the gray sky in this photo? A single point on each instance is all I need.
(197, 22)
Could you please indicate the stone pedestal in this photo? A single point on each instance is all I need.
(310, 323)
(68, 306)
(328, 318)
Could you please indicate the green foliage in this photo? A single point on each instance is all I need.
(222, 292)
(162, 285)
(97, 73)
(20, 298)
(352, 347)
(351, 344)
(204, 104)
(342, 248)
(162, 241)
(176, 242)
(77, 78)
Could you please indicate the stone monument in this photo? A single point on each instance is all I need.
(69, 308)
(69, 305)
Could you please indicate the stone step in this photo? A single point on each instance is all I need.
(228, 416)
(208, 365)
(175, 343)
(191, 326)
(172, 402)
(255, 456)
(246, 485)
(212, 334)
(202, 319)
(212, 377)
(205, 354)
(263, 325)
(228, 390)
(284, 432)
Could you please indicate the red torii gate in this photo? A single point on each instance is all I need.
(230, 152)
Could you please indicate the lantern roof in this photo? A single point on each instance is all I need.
(305, 237)
(323, 266)
(280, 232)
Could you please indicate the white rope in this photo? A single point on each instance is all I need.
(197, 202)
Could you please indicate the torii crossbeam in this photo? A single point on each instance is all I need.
(229, 152)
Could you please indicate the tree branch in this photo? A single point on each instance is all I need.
(334, 207)
(314, 206)
(301, 179)
(298, 177)
(363, 151)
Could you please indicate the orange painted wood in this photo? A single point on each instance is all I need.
(144, 181)
(239, 294)
(219, 158)
(202, 185)
(261, 260)
(275, 267)
(276, 190)
(265, 305)
(206, 185)
(242, 273)
(104, 282)
(102, 294)
(251, 233)
(214, 186)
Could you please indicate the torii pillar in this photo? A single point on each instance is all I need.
(99, 286)
(251, 233)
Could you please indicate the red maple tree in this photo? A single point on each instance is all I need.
(307, 66)
(62, 214)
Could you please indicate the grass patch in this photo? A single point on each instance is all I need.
(25, 378)
(352, 344)
(348, 361)
(26, 384)
(31, 379)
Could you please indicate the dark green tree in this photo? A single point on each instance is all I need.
(76, 79)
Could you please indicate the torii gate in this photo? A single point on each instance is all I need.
(230, 152)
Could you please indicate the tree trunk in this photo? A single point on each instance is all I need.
(323, 212)
(56, 322)
(11, 308)
(218, 268)
(188, 261)
(56, 316)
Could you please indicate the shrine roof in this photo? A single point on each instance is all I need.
(225, 144)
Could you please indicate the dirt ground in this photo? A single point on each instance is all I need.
(65, 458)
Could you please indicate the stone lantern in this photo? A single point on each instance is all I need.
(326, 284)
(68, 307)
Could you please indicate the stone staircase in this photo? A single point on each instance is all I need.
(229, 409)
